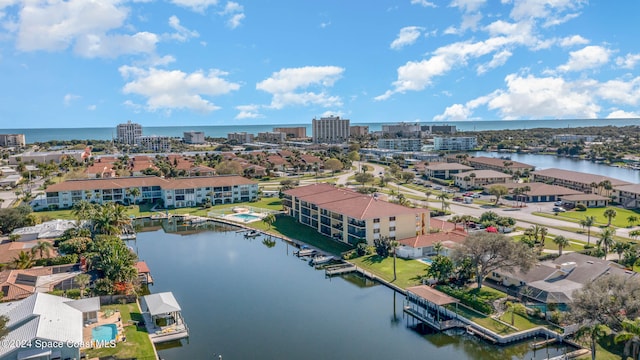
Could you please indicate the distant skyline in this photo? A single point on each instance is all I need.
(79, 63)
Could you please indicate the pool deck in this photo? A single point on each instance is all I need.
(115, 318)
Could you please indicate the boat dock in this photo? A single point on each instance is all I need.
(305, 252)
(339, 269)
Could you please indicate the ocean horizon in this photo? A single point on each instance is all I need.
(35, 135)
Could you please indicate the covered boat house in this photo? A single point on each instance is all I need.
(163, 318)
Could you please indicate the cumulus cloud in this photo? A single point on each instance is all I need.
(68, 98)
(573, 40)
(285, 86)
(182, 34)
(620, 91)
(86, 26)
(621, 114)
(468, 5)
(553, 11)
(175, 89)
(235, 12)
(424, 3)
(455, 112)
(628, 61)
(248, 112)
(195, 5)
(588, 57)
(498, 60)
(407, 36)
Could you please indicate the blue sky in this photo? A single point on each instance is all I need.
(80, 63)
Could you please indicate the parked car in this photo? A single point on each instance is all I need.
(558, 203)
(475, 195)
(558, 209)
(457, 198)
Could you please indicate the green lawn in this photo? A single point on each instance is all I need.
(289, 227)
(481, 319)
(270, 203)
(138, 344)
(619, 221)
(409, 272)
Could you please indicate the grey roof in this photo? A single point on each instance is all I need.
(482, 174)
(161, 303)
(49, 229)
(86, 305)
(42, 316)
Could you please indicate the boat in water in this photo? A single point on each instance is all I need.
(319, 260)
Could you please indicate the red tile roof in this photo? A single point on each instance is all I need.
(449, 238)
(139, 181)
(432, 295)
(142, 267)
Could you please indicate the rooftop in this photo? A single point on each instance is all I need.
(482, 174)
(432, 295)
(578, 177)
(499, 162)
(539, 189)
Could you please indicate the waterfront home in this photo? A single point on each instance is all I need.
(45, 326)
(47, 230)
(178, 192)
(443, 170)
(555, 281)
(423, 245)
(10, 250)
(540, 192)
(163, 317)
(588, 200)
(17, 284)
(628, 195)
(584, 182)
(480, 178)
(351, 217)
(497, 164)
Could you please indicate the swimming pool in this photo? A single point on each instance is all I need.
(245, 217)
(104, 333)
(427, 261)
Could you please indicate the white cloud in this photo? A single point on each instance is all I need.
(248, 112)
(498, 60)
(182, 34)
(621, 114)
(424, 3)
(407, 36)
(168, 90)
(285, 84)
(621, 92)
(195, 5)
(235, 12)
(629, 61)
(467, 5)
(587, 58)
(86, 26)
(550, 10)
(573, 40)
(68, 98)
(325, 24)
(548, 97)
(455, 112)
(92, 107)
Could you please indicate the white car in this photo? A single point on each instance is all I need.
(558, 203)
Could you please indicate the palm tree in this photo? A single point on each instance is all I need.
(593, 332)
(42, 247)
(588, 222)
(83, 210)
(392, 247)
(634, 234)
(82, 280)
(428, 194)
(543, 235)
(610, 214)
(23, 261)
(632, 219)
(620, 247)
(561, 241)
(133, 194)
(630, 335)
(437, 247)
(269, 219)
(606, 239)
(443, 197)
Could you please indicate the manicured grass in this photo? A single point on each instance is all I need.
(619, 221)
(138, 344)
(287, 226)
(522, 322)
(483, 320)
(270, 203)
(574, 245)
(409, 272)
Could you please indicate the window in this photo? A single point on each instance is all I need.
(393, 218)
(376, 221)
(376, 231)
(392, 228)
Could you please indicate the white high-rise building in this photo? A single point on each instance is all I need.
(128, 133)
(330, 130)
(193, 137)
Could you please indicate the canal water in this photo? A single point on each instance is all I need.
(542, 162)
(249, 299)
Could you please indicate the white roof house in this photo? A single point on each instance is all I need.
(46, 230)
(43, 325)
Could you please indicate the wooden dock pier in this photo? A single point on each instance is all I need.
(339, 269)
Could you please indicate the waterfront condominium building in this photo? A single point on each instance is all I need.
(358, 130)
(400, 144)
(351, 217)
(193, 137)
(402, 130)
(298, 132)
(272, 137)
(155, 143)
(11, 140)
(240, 137)
(439, 129)
(454, 143)
(330, 130)
(176, 192)
(128, 133)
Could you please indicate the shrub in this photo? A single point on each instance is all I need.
(62, 260)
(73, 293)
(468, 299)
(581, 207)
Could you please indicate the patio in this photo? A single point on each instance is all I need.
(105, 317)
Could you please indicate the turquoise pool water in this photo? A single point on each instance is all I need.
(104, 333)
(427, 261)
(246, 217)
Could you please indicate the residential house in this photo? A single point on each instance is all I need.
(540, 192)
(447, 234)
(18, 284)
(584, 182)
(588, 200)
(627, 195)
(497, 164)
